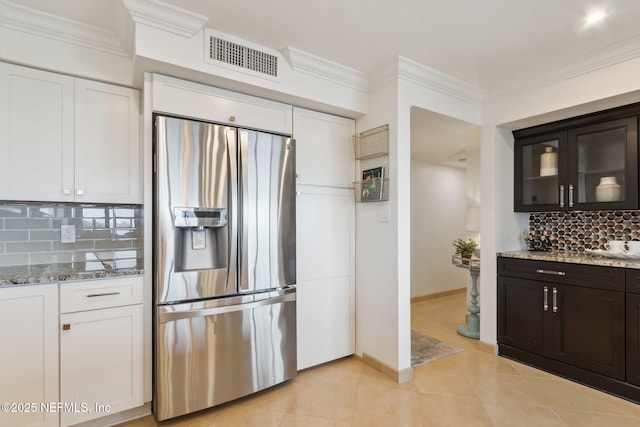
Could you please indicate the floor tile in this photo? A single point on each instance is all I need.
(471, 388)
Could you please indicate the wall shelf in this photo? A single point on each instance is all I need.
(372, 156)
(372, 143)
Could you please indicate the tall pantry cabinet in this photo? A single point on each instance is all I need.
(325, 167)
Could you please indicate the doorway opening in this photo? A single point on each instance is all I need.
(445, 206)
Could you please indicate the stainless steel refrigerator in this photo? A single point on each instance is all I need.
(224, 263)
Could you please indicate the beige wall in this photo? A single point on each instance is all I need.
(438, 216)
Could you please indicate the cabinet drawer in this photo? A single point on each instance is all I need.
(589, 276)
(101, 293)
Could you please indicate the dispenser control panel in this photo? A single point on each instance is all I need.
(200, 217)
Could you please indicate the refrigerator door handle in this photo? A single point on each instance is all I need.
(243, 194)
(168, 316)
(232, 266)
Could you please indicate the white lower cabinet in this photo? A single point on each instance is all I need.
(326, 281)
(101, 350)
(28, 355)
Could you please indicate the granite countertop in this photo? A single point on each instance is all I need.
(573, 258)
(54, 273)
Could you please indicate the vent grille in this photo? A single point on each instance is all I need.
(242, 56)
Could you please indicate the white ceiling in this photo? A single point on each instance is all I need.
(492, 44)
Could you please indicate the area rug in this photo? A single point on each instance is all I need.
(425, 349)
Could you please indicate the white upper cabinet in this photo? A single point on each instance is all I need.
(107, 137)
(324, 149)
(66, 139)
(36, 134)
(202, 102)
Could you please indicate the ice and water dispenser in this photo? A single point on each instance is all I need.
(201, 238)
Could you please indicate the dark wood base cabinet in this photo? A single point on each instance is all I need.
(579, 321)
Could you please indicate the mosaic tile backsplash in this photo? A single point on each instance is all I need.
(106, 236)
(579, 230)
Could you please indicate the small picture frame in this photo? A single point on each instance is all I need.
(372, 184)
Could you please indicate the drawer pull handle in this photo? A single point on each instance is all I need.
(555, 273)
(546, 299)
(555, 300)
(103, 295)
(561, 196)
(66, 326)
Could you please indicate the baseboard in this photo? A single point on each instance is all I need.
(398, 376)
(486, 347)
(120, 417)
(437, 295)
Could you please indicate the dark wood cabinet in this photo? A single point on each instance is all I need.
(522, 319)
(633, 341)
(576, 164)
(588, 329)
(581, 326)
(633, 326)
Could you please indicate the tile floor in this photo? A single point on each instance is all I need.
(471, 388)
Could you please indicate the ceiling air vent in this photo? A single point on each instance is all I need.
(242, 56)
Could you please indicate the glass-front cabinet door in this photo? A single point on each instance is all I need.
(602, 170)
(540, 173)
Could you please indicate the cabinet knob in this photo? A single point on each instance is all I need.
(66, 191)
(66, 326)
(80, 192)
(232, 118)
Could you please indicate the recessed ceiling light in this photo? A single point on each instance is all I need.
(595, 17)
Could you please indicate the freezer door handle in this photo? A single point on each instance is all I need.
(232, 266)
(169, 316)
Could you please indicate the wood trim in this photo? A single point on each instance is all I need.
(398, 376)
(437, 295)
(485, 347)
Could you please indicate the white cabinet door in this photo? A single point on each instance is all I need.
(101, 361)
(107, 143)
(324, 149)
(65, 139)
(29, 353)
(189, 99)
(36, 134)
(326, 281)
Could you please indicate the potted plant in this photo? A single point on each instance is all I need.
(465, 248)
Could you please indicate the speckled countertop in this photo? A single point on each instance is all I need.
(54, 273)
(575, 258)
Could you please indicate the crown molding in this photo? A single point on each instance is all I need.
(429, 78)
(32, 21)
(166, 17)
(331, 71)
(402, 68)
(572, 68)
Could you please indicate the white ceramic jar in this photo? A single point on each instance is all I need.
(548, 162)
(608, 190)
